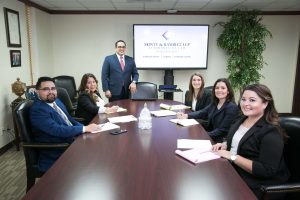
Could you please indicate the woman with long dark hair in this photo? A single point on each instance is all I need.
(90, 102)
(255, 143)
(220, 113)
(197, 97)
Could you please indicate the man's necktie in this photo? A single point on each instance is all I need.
(60, 112)
(122, 63)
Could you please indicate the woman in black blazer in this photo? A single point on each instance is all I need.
(90, 102)
(220, 113)
(197, 97)
(255, 143)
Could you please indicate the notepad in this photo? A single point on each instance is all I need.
(107, 127)
(173, 107)
(191, 144)
(197, 155)
(122, 119)
(184, 122)
(163, 113)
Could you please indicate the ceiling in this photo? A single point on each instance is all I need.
(166, 5)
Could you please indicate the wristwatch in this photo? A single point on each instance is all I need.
(232, 158)
(134, 82)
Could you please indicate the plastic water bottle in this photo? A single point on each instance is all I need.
(145, 119)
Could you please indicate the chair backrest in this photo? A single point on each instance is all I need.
(291, 125)
(209, 88)
(63, 95)
(67, 82)
(145, 91)
(21, 115)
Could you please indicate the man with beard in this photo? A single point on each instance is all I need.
(119, 74)
(51, 123)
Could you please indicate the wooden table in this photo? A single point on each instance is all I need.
(138, 165)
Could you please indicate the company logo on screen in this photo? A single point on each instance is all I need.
(166, 35)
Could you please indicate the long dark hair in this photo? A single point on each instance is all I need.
(270, 112)
(230, 95)
(191, 88)
(84, 80)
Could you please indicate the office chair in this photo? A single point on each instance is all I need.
(68, 82)
(30, 147)
(145, 91)
(291, 125)
(63, 95)
(209, 88)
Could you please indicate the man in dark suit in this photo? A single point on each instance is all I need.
(51, 122)
(119, 74)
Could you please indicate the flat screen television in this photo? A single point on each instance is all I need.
(170, 46)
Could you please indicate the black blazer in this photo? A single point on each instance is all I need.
(262, 144)
(219, 121)
(86, 107)
(202, 101)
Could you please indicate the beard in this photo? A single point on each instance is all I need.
(50, 98)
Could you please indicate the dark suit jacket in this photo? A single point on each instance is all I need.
(86, 107)
(262, 144)
(202, 101)
(219, 121)
(48, 127)
(113, 78)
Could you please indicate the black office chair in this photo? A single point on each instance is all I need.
(68, 82)
(145, 91)
(209, 88)
(291, 152)
(30, 147)
(63, 95)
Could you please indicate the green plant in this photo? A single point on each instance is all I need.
(243, 39)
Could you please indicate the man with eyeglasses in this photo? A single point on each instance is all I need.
(51, 123)
(119, 74)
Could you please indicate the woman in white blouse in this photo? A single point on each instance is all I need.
(90, 102)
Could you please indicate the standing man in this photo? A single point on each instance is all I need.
(119, 74)
(51, 123)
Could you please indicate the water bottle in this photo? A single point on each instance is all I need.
(145, 119)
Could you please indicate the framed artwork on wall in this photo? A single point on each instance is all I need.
(15, 58)
(12, 24)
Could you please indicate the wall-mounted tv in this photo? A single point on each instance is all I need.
(170, 46)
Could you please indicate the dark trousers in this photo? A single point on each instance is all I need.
(124, 95)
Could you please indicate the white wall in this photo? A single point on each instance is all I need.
(81, 42)
(8, 75)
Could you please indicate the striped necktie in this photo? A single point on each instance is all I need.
(62, 114)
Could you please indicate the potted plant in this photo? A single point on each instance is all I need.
(243, 39)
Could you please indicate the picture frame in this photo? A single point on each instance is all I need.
(12, 24)
(15, 58)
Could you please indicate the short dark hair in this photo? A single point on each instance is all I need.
(116, 44)
(41, 80)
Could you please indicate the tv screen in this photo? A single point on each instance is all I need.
(166, 46)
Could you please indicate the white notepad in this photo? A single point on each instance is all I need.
(184, 122)
(163, 113)
(122, 119)
(107, 127)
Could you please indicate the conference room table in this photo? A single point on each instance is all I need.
(138, 165)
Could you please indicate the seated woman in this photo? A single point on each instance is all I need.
(89, 100)
(196, 97)
(220, 113)
(255, 143)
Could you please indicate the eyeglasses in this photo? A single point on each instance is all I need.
(121, 47)
(47, 89)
